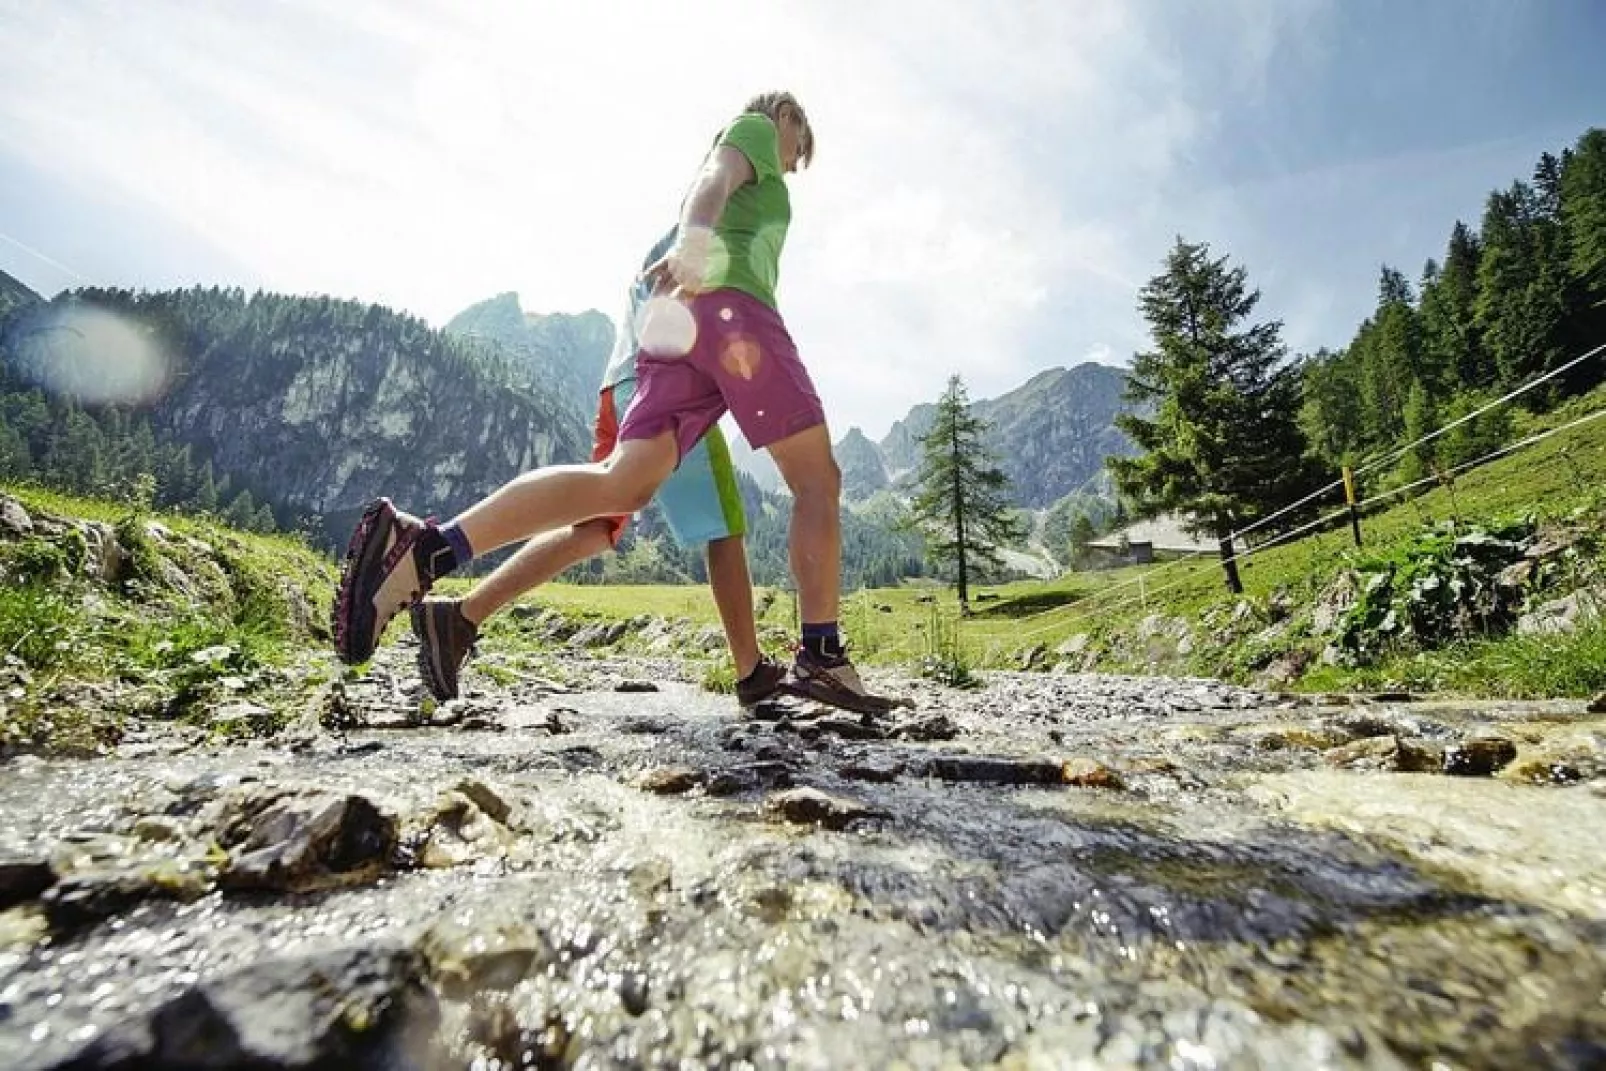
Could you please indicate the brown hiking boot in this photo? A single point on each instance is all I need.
(763, 683)
(378, 579)
(835, 682)
(445, 640)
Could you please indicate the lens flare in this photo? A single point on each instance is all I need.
(666, 328)
(92, 355)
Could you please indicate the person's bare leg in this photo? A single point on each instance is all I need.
(815, 543)
(558, 495)
(733, 596)
(539, 560)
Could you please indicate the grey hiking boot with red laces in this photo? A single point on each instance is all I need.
(379, 579)
(445, 640)
(834, 681)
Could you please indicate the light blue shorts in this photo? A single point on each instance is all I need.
(700, 501)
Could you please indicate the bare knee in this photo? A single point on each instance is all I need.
(631, 497)
(820, 482)
(635, 471)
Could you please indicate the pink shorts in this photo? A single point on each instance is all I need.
(742, 361)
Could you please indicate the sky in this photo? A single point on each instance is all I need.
(993, 182)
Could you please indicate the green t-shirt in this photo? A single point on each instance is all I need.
(752, 229)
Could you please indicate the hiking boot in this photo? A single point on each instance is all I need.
(445, 640)
(834, 681)
(763, 683)
(378, 579)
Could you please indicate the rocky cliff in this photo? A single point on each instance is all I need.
(562, 351)
(1050, 435)
(863, 472)
(317, 405)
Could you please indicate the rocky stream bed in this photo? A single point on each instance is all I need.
(1052, 872)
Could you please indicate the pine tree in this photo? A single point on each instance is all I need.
(960, 504)
(1222, 443)
(1082, 533)
(1583, 221)
(1450, 340)
(241, 512)
(1522, 299)
(1420, 420)
(1330, 408)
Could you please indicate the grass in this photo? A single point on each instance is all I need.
(199, 612)
(1551, 479)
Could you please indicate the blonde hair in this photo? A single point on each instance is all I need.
(770, 104)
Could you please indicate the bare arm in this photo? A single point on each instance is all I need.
(726, 170)
(686, 263)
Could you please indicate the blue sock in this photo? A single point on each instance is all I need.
(458, 542)
(822, 639)
(440, 550)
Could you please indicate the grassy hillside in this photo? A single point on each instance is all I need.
(110, 612)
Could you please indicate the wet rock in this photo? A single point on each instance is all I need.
(23, 877)
(473, 951)
(1597, 705)
(848, 728)
(635, 686)
(669, 780)
(930, 727)
(1363, 723)
(159, 828)
(1385, 753)
(880, 772)
(459, 832)
(497, 803)
(1561, 760)
(1479, 756)
(88, 896)
(360, 1008)
(635, 992)
(771, 710)
(1392, 697)
(810, 806)
(1300, 737)
(644, 726)
(998, 771)
(303, 841)
(745, 778)
(1090, 773)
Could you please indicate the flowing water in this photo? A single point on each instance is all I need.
(1215, 887)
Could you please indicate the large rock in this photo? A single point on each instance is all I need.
(14, 520)
(365, 1009)
(88, 896)
(304, 840)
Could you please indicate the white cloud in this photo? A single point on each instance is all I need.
(992, 183)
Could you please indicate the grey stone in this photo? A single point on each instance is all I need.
(810, 806)
(306, 841)
(362, 1008)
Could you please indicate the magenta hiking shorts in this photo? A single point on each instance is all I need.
(741, 360)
